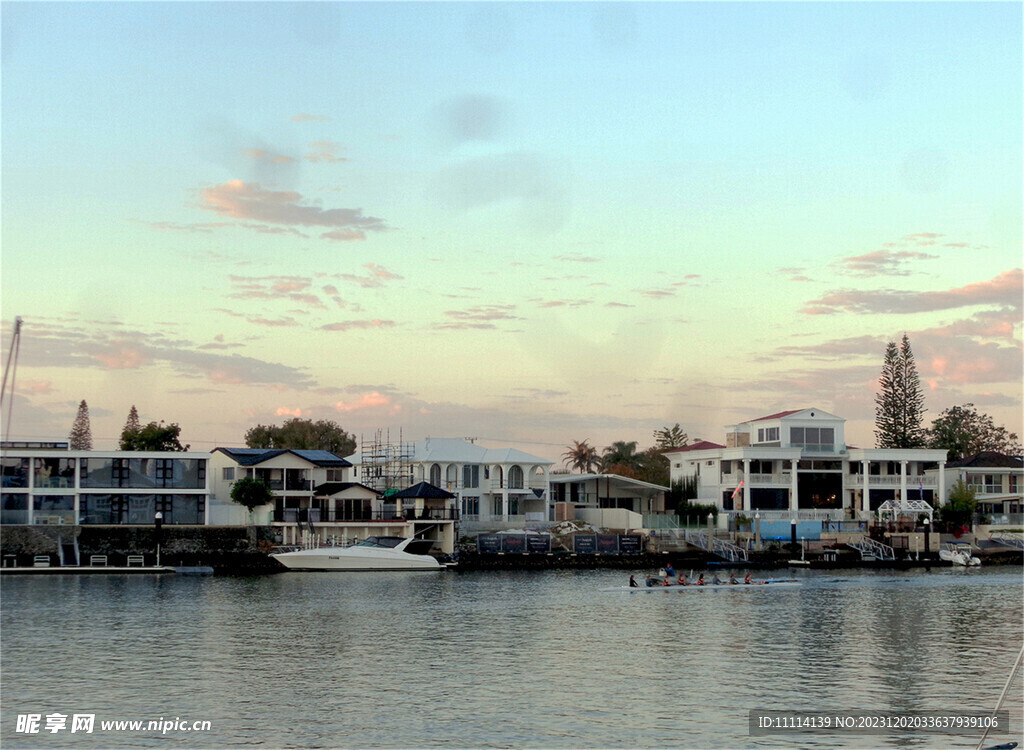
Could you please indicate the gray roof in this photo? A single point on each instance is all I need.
(460, 451)
(253, 456)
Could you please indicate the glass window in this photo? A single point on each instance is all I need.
(54, 509)
(15, 472)
(515, 479)
(228, 474)
(54, 472)
(471, 476)
(14, 508)
(435, 475)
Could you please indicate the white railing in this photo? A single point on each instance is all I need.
(870, 549)
(891, 480)
(715, 546)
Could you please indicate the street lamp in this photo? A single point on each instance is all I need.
(158, 522)
(927, 536)
(757, 531)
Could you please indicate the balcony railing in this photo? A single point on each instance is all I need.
(316, 515)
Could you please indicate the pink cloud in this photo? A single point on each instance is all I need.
(366, 401)
(244, 200)
(351, 325)
(283, 411)
(123, 357)
(1005, 290)
(260, 154)
(324, 151)
(884, 262)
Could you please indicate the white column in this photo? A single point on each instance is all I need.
(745, 496)
(794, 500)
(865, 500)
(903, 483)
(942, 483)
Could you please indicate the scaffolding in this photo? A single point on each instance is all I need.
(385, 465)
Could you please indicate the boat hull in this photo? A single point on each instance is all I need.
(323, 559)
(709, 587)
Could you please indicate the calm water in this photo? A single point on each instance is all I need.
(537, 660)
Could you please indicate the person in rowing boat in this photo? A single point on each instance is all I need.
(700, 580)
(746, 578)
(651, 581)
(732, 578)
(716, 580)
(670, 572)
(682, 581)
(632, 583)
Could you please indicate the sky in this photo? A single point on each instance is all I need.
(527, 223)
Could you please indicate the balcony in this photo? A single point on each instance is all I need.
(890, 480)
(316, 515)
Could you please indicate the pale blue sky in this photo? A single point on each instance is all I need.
(536, 222)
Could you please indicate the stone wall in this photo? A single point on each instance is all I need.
(226, 548)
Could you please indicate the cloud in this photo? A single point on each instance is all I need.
(324, 151)
(284, 411)
(656, 293)
(306, 117)
(562, 303)
(290, 288)
(249, 201)
(1003, 290)
(366, 401)
(577, 258)
(375, 278)
(261, 154)
(110, 346)
(354, 325)
(882, 263)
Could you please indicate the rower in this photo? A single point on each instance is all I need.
(700, 580)
(746, 578)
(716, 580)
(732, 578)
(632, 582)
(681, 581)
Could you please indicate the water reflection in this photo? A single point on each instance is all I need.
(499, 659)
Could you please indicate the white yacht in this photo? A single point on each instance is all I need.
(959, 553)
(373, 553)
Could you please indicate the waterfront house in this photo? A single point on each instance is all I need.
(997, 480)
(605, 500)
(316, 500)
(49, 484)
(796, 465)
(492, 488)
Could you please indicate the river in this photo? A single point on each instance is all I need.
(498, 659)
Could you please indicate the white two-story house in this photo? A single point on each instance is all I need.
(493, 487)
(797, 463)
(316, 500)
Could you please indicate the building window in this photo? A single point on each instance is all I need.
(818, 439)
(471, 506)
(515, 478)
(768, 434)
(471, 476)
(435, 475)
(497, 507)
(335, 475)
(228, 473)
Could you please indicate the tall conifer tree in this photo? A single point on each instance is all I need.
(80, 437)
(899, 403)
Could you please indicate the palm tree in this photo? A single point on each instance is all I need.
(621, 458)
(581, 457)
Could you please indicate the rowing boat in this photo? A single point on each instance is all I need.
(756, 585)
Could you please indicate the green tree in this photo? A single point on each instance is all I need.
(960, 505)
(80, 437)
(252, 493)
(302, 434)
(963, 432)
(621, 458)
(581, 457)
(654, 467)
(155, 436)
(668, 438)
(899, 403)
(132, 424)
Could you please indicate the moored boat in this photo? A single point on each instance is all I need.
(959, 553)
(373, 553)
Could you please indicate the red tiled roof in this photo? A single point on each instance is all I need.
(703, 445)
(777, 416)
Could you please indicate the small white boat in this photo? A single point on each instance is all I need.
(373, 553)
(958, 553)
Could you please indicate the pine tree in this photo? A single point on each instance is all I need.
(80, 437)
(899, 403)
(132, 427)
(913, 399)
